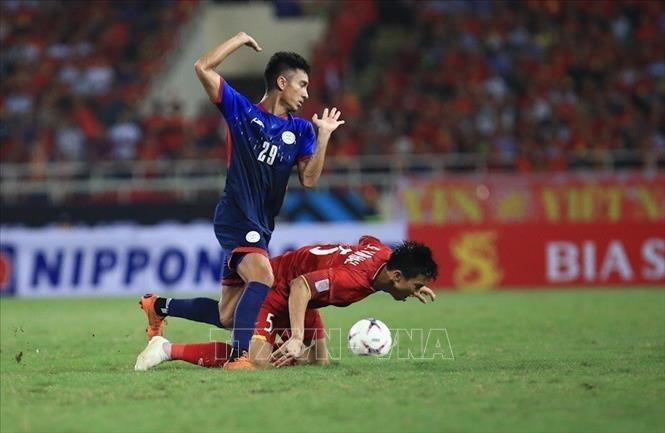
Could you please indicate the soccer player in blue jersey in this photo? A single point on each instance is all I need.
(263, 143)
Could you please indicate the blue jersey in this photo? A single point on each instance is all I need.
(261, 151)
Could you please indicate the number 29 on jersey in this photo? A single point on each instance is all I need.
(268, 153)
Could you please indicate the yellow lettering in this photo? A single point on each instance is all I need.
(574, 204)
(469, 206)
(551, 204)
(587, 202)
(512, 207)
(438, 206)
(648, 201)
(613, 195)
(413, 206)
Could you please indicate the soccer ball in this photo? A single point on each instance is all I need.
(370, 337)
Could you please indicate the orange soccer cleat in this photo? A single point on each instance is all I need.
(240, 363)
(155, 321)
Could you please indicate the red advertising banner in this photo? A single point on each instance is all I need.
(553, 198)
(554, 230)
(534, 255)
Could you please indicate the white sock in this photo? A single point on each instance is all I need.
(167, 349)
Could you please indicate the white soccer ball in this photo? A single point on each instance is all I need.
(370, 337)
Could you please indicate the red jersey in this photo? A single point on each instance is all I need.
(335, 274)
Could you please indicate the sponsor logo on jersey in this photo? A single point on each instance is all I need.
(288, 137)
(258, 122)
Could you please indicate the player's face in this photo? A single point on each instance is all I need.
(403, 288)
(295, 90)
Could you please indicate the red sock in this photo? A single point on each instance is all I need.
(213, 354)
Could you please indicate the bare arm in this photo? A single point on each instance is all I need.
(205, 66)
(298, 299)
(309, 171)
(293, 347)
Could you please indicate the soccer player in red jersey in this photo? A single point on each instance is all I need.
(306, 280)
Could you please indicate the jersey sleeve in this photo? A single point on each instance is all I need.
(337, 286)
(230, 102)
(307, 141)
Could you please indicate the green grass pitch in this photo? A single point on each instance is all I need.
(536, 361)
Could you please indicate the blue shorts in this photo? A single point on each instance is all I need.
(236, 241)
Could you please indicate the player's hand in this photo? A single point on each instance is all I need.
(287, 352)
(250, 41)
(329, 120)
(424, 291)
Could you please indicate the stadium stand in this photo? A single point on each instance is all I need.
(72, 93)
(428, 86)
(545, 87)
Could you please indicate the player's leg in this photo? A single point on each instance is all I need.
(258, 355)
(207, 310)
(255, 269)
(204, 310)
(268, 326)
(156, 320)
(259, 351)
(247, 261)
(227, 304)
(213, 354)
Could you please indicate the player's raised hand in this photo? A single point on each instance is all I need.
(250, 41)
(287, 352)
(420, 294)
(329, 120)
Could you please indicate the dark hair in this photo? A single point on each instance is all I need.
(413, 259)
(279, 63)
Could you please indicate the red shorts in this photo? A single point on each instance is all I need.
(269, 325)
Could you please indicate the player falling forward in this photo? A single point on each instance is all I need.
(264, 142)
(306, 280)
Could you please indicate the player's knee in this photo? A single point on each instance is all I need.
(259, 355)
(260, 362)
(263, 275)
(256, 269)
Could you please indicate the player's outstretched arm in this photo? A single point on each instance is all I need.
(309, 171)
(298, 298)
(205, 66)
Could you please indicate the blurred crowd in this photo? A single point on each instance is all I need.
(74, 73)
(543, 84)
